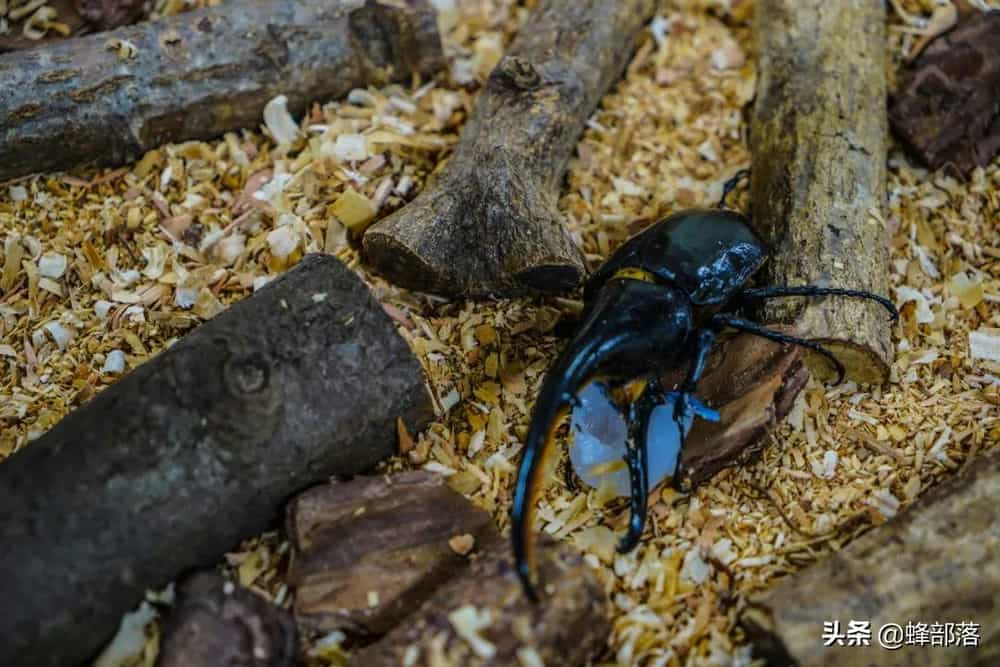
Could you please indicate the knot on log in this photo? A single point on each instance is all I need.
(247, 375)
(516, 73)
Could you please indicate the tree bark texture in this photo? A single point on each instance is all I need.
(947, 110)
(818, 137)
(199, 74)
(482, 617)
(489, 223)
(367, 553)
(937, 562)
(193, 451)
(220, 624)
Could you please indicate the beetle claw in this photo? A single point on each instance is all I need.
(639, 477)
(687, 406)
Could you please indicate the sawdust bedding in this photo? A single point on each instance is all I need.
(102, 269)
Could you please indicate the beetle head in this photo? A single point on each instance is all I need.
(710, 254)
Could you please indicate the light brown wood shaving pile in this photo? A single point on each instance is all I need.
(102, 270)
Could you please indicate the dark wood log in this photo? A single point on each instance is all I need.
(367, 553)
(937, 562)
(483, 617)
(489, 223)
(753, 383)
(193, 451)
(818, 138)
(199, 74)
(947, 110)
(215, 623)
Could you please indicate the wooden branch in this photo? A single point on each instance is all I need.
(753, 383)
(199, 74)
(818, 138)
(220, 624)
(195, 450)
(483, 617)
(937, 562)
(367, 553)
(489, 223)
(948, 108)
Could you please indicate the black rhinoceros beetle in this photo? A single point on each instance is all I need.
(657, 302)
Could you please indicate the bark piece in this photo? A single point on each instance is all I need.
(219, 624)
(947, 110)
(483, 616)
(818, 137)
(489, 223)
(193, 451)
(199, 74)
(753, 383)
(109, 14)
(367, 553)
(937, 562)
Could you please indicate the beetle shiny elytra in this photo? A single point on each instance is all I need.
(656, 303)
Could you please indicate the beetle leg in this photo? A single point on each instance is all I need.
(638, 464)
(753, 328)
(687, 403)
(812, 290)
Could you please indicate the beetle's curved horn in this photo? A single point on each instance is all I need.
(573, 369)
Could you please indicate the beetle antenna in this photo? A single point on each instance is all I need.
(812, 290)
(741, 324)
(731, 185)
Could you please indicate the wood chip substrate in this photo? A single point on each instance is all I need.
(100, 270)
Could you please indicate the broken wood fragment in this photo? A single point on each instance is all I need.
(367, 553)
(193, 451)
(199, 74)
(482, 617)
(938, 562)
(947, 109)
(110, 14)
(753, 383)
(818, 138)
(216, 623)
(489, 224)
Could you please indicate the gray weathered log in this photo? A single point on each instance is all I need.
(819, 141)
(193, 451)
(367, 553)
(220, 624)
(199, 74)
(937, 562)
(489, 223)
(567, 627)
